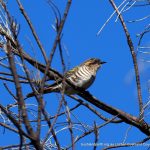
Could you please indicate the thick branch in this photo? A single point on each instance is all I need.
(127, 118)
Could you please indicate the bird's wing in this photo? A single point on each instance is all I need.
(57, 83)
(47, 89)
(71, 72)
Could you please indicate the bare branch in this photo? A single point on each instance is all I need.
(32, 29)
(132, 50)
(128, 145)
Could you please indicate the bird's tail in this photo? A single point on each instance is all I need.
(48, 89)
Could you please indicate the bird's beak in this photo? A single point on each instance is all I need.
(103, 62)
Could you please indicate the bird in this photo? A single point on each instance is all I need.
(81, 76)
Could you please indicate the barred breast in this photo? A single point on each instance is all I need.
(83, 77)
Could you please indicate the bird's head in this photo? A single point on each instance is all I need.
(94, 63)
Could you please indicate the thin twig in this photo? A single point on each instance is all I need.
(56, 42)
(53, 123)
(100, 30)
(132, 50)
(32, 29)
(96, 136)
(14, 121)
(91, 131)
(81, 102)
(14, 146)
(8, 127)
(128, 144)
(10, 92)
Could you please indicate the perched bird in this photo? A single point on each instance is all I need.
(81, 76)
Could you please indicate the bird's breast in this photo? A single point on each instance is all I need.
(82, 82)
(87, 82)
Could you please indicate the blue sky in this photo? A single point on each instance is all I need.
(115, 82)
